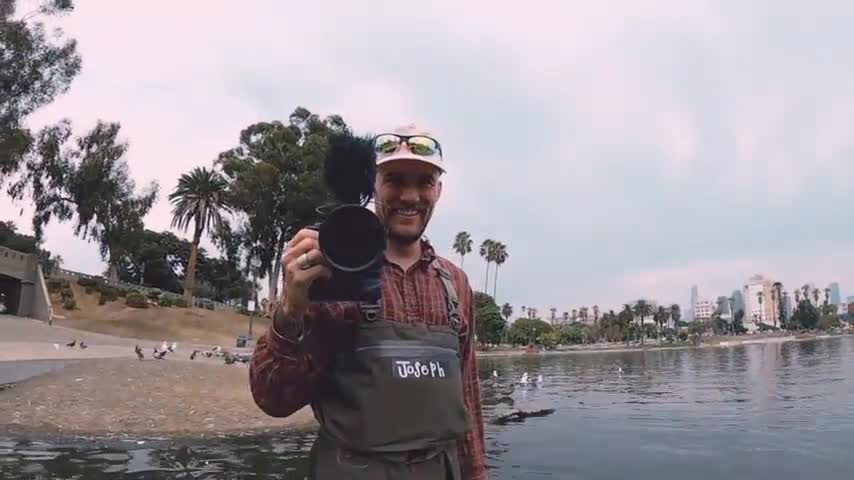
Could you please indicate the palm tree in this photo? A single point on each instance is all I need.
(462, 245)
(486, 252)
(797, 296)
(628, 309)
(784, 313)
(583, 313)
(778, 301)
(806, 290)
(642, 309)
(660, 319)
(761, 296)
(815, 294)
(554, 314)
(565, 317)
(499, 256)
(200, 198)
(506, 310)
(827, 296)
(595, 314)
(675, 315)
(574, 315)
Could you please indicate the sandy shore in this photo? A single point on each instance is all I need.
(140, 398)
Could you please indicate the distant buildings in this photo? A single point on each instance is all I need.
(739, 300)
(835, 297)
(759, 304)
(695, 297)
(703, 309)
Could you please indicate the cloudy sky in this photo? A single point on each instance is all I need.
(621, 149)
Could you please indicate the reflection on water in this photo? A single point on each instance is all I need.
(778, 411)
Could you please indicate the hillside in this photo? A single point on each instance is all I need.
(157, 323)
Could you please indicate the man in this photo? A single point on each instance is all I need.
(396, 397)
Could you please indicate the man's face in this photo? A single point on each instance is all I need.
(406, 193)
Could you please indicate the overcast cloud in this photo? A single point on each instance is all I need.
(619, 148)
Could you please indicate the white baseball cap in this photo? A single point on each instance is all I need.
(432, 150)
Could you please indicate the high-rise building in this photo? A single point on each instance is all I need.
(739, 300)
(759, 304)
(695, 297)
(704, 309)
(835, 297)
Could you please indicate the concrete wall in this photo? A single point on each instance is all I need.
(18, 265)
(41, 309)
(26, 305)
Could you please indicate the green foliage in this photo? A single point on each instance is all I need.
(462, 245)
(805, 316)
(828, 322)
(69, 303)
(87, 282)
(136, 300)
(90, 180)
(526, 331)
(180, 302)
(275, 182)
(36, 66)
(550, 340)
(489, 323)
(576, 333)
(55, 284)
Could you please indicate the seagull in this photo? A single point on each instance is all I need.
(174, 347)
(540, 378)
(524, 379)
(495, 373)
(620, 370)
(71, 343)
(164, 346)
(139, 352)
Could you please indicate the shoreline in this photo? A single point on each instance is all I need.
(735, 342)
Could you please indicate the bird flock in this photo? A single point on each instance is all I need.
(166, 350)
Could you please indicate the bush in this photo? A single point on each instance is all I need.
(136, 300)
(110, 293)
(87, 282)
(66, 292)
(683, 336)
(167, 300)
(102, 299)
(55, 284)
(69, 304)
(181, 303)
(154, 294)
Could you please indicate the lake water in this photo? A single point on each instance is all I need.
(776, 411)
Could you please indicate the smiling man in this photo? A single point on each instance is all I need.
(396, 397)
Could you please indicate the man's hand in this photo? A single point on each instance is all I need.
(302, 264)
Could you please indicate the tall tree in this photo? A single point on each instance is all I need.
(487, 252)
(676, 314)
(90, 179)
(827, 296)
(815, 295)
(506, 311)
(595, 314)
(275, 184)
(462, 245)
(642, 309)
(499, 256)
(35, 67)
(661, 319)
(200, 199)
(760, 296)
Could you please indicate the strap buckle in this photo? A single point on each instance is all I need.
(370, 312)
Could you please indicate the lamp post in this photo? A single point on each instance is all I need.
(255, 263)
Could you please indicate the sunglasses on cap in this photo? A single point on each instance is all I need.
(388, 143)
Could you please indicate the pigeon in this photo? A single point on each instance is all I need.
(139, 352)
(71, 343)
(193, 355)
(164, 346)
(56, 346)
(160, 355)
(83, 345)
(173, 347)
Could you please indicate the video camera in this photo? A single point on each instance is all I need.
(350, 236)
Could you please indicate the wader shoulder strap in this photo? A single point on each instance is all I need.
(452, 302)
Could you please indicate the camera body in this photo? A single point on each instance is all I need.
(353, 242)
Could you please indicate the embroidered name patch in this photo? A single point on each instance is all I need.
(410, 369)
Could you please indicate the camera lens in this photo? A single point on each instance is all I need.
(351, 238)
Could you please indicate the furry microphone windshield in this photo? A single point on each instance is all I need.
(350, 168)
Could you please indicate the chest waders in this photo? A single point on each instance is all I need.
(392, 407)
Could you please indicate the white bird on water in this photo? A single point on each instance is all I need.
(524, 379)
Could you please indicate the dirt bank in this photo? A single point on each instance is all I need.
(158, 398)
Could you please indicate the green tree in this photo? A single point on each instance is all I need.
(506, 310)
(200, 199)
(499, 256)
(487, 252)
(92, 181)
(738, 323)
(462, 245)
(676, 315)
(36, 66)
(490, 325)
(625, 318)
(642, 309)
(805, 316)
(526, 331)
(275, 182)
